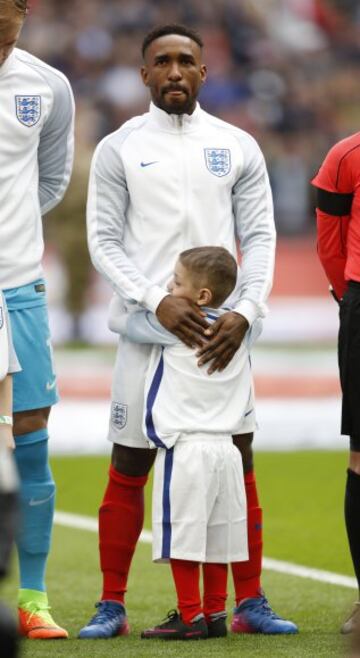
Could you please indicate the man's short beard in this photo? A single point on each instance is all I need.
(187, 107)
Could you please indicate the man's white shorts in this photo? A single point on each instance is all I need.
(199, 501)
(126, 415)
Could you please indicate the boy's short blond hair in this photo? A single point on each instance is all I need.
(10, 9)
(214, 268)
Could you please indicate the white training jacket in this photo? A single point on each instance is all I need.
(163, 183)
(181, 397)
(36, 155)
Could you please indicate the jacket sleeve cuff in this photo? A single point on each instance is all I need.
(248, 309)
(153, 297)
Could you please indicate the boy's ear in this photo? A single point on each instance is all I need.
(204, 297)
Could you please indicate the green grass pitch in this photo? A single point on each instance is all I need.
(302, 497)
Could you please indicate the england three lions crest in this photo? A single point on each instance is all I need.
(118, 415)
(218, 161)
(28, 109)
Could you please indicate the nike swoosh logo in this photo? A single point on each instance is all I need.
(147, 164)
(33, 502)
(50, 385)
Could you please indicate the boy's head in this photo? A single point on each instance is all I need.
(206, 275)
(12, 15)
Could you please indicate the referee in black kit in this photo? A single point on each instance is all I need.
(337, 186)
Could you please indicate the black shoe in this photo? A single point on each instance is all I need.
(173, 628)
(216, 624)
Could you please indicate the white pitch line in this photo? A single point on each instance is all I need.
(309, 572)
(91, 524)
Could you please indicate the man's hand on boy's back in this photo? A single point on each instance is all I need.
(184, 319)
(225, 338)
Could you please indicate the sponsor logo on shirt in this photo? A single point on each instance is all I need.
(218, 161)
(147, 164)
(28, 109)
(118, 414)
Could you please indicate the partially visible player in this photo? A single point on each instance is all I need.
(199, 500)
(36, 129)
(338, 225)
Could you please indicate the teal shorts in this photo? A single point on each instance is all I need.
(35, 387)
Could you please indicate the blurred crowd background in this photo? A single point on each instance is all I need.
(287, 71)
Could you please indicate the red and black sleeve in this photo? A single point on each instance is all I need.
(334, 195)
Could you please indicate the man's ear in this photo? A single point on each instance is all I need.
(203, 73)
(145, 75)
(205, 297)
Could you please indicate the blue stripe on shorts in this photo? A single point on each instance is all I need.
(153, 391)
(166, 523)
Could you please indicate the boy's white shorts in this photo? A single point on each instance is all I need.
(127, 396)
(199, 501)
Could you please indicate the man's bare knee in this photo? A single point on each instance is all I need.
(31, 420)
(134, 462)
(244, 443)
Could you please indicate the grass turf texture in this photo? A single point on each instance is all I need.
(302, 497)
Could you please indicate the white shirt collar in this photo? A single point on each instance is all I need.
(7, 64)
(175, 122)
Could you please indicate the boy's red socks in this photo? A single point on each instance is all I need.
(215, 582)
(186, 576)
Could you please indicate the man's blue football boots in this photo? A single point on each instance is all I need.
(109, 621)
(256, 616)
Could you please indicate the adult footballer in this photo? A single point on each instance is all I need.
(36, 131)
(338, 228)
(169, 180)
